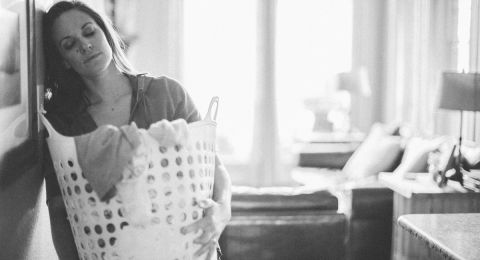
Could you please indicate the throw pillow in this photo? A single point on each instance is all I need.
(379, 152)
(415, 157)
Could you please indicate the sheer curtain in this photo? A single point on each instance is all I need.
(263, 58)
(421, 43)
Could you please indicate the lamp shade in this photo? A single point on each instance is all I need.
(356, 82)
(460, 91)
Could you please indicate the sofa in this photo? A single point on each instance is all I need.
(340, 212)
(284, 223)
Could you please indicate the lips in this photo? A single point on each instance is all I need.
(90, 58)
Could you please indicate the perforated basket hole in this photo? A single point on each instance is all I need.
(178, 147)
(107, 214)
(110, 228)
(88, 188)
(123, 224)
(91, 244)
(150, 179)
(183, 217)
(195, 215)
(70, 163)
(198, 146)
(92, 202)
(80, 203)
(112, 241)
(169, 219)
(190, 159)
(156, 220)
(165, 176)
(180, 175)
(193, 188)
(77, 190)
(167, 191)
(162, 149)
(152, 193)
(87, 230)
(164, 162)
(155, 207)
(178, 161)
(95, 215)
(121, 212)
(101, 243)
(168, 205)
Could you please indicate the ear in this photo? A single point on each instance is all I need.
(67, 65)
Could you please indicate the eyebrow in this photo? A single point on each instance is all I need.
(68, 36)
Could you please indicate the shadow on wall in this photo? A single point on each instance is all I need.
(20, 187)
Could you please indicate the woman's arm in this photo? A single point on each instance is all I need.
(217, 213)
(61, 230)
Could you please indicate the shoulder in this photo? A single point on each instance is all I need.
(163, 84)
(164, 90)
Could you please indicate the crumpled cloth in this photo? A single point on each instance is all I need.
(112, 158)
(104, 153)
(169, 133)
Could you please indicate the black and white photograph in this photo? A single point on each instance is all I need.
(239, 129)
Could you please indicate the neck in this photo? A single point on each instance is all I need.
(107, 86)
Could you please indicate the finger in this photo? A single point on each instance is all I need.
(205, 237)
(206, 203)
(210, 253)
(194, 227)
(212, 245)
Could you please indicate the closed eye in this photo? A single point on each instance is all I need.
(68, 44)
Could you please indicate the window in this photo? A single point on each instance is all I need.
(312, 42)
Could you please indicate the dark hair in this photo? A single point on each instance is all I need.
(64, 87)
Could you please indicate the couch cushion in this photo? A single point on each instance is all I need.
(311, 236)
(416, 153)
(281, 199)
(380, 152)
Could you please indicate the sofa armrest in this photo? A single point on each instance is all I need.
(325, 155)
(275, 199)
(366, 201)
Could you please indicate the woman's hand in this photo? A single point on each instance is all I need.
(217, 215)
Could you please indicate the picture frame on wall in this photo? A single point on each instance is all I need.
(17, 73)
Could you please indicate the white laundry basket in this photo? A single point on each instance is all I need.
(177, 177)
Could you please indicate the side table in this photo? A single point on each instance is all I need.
(421, 195)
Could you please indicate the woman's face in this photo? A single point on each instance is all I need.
(81, 43)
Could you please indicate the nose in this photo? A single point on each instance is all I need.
(85, 47)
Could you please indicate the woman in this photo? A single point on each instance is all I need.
(90, 83)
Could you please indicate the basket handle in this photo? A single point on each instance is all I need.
(213, 102)
(51, 131)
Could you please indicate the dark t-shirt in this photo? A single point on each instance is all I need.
(153, 99)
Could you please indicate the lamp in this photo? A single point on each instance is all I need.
(355, 82)
(459, 92)
(350, 85)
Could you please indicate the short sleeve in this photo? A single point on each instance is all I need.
(185, 107)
